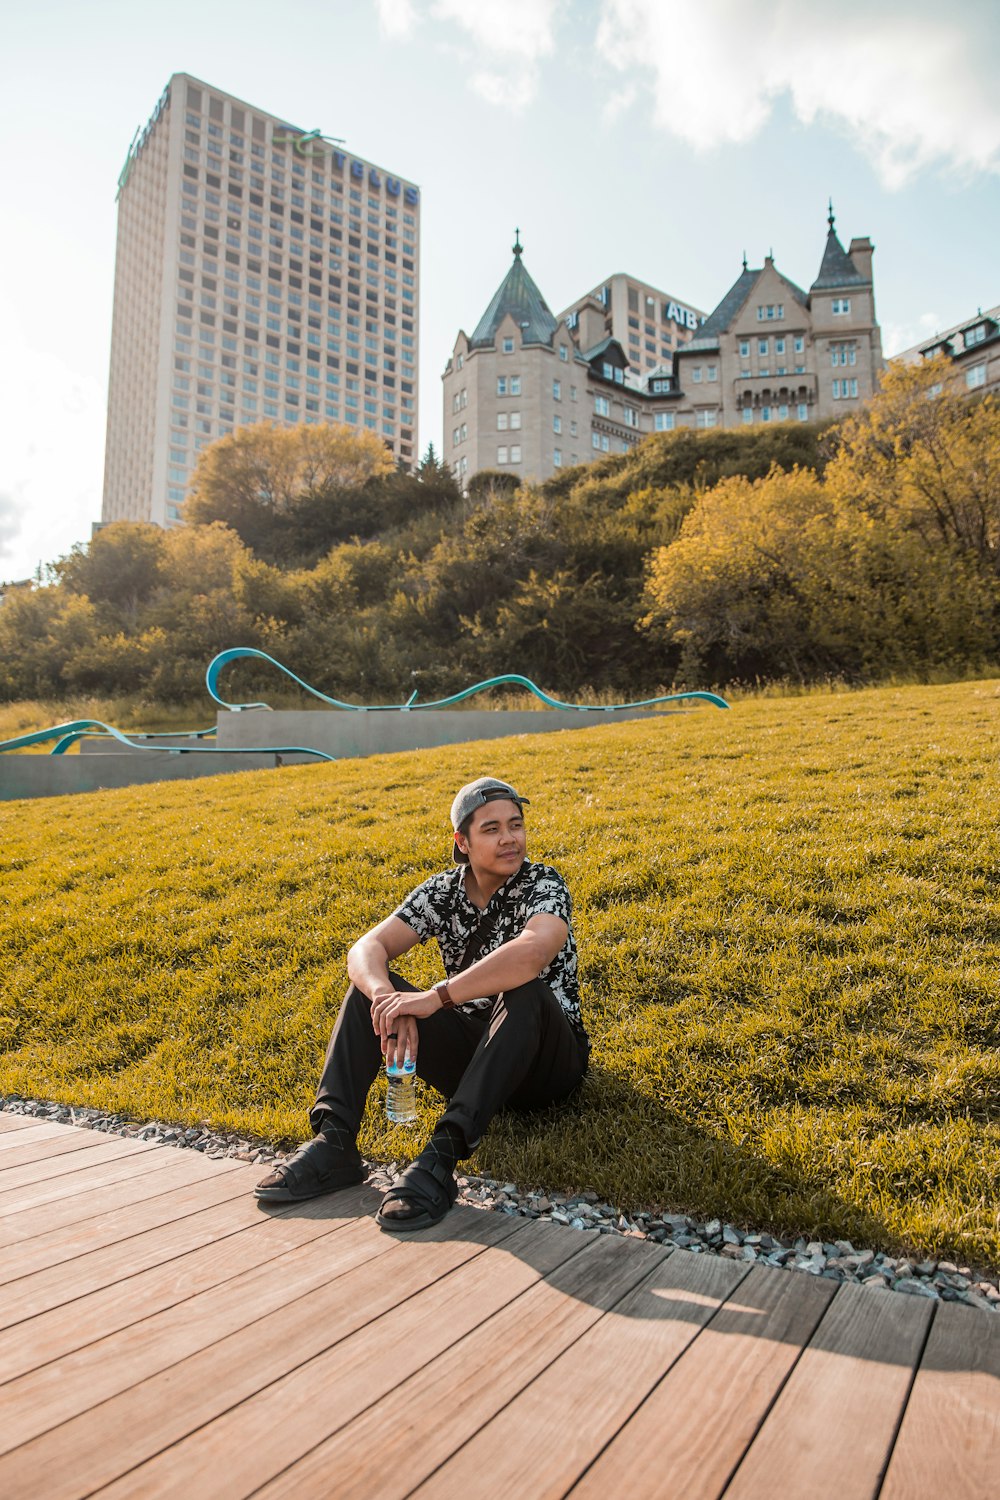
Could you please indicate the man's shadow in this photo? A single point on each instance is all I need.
(640, 1279)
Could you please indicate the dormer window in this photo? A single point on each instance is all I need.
(974, 335)
(508, 346)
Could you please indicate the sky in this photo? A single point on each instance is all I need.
(658, 137)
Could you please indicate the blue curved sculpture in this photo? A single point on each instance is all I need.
(236, 653)
(67, 734)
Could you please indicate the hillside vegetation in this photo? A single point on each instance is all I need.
(789, 933)
(784, 553)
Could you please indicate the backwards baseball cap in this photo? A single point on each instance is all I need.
(477, 794)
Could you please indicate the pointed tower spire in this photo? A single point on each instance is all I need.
(744, 260)
(518, 247)
(829, 216)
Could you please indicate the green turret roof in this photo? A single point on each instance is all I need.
(837, 269)
(518, 296)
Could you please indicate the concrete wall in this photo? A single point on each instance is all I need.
(346, 734)
(63, 775)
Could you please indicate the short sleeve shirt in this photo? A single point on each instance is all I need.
(440, 908)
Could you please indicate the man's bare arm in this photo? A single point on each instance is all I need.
(369, 959)
(513, 964)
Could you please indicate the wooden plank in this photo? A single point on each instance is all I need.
(39, 1130)
(949, 1443)
(97, 1189)
(173, 1195)
(260, 1278)
(14, 1182)
(11, 1122)
(605, 1375)
(52, 1336)
(235, 1209)
(699, 1420)
(441, 1405)
(832, 1427)
(231, 1455)
(31, 1152)
(93, 1449)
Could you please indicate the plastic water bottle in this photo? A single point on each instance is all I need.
(401, 1094)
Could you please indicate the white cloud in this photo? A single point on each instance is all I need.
(503, 41)
(910, 83)
(51, 460)
(397, 19)
(899, 336)
(10, 524)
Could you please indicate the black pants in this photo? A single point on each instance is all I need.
(522, 1053)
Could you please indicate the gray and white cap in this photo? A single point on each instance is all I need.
(476, 794)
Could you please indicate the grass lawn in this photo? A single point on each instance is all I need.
(788, 921)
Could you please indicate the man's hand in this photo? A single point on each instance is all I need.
(399, 1010)
(406, 1036)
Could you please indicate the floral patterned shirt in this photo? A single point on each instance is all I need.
(440, 908)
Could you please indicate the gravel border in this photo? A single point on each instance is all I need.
(942, 1280)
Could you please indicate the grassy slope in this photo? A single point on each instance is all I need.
(788, 923)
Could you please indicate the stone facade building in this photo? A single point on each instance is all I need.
(973, 347)
(531, 393)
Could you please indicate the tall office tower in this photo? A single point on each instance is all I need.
(263, 274)
(649, 324)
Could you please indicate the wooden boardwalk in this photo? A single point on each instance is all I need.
(161, 1334)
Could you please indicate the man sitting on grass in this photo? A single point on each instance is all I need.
(504, 1028)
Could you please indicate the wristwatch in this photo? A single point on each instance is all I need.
(444, 995)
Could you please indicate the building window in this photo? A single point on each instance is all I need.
(744, 348)
(770, 311)
(975, 377)
(515, 455)
(602, 406)
(747, 415)
(557, 457)
(460, 361)
(631, 416)
(782, 413)
(515, 385)
(515, 421)
(841, 305)
(779, 346)
(712, 372)
(501, 385)
(557, 390)
(706, 418)
(564, 356)
(843, 390)
(557, 424)
(501, 455)
(762, 347)
(800, 344)
(973, 336)
(572, 393)
(802, 411)
(508, 346)
(501, 421)
(600, 441)
(456, 402)
(664, 421)
(696, 374)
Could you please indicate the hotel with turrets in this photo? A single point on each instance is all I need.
(530, 393)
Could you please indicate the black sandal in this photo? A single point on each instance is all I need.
(427, 1187)
(320, 1166)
